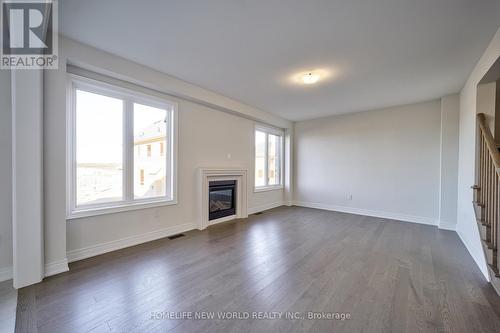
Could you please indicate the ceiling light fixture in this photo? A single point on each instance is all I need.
(310, 78)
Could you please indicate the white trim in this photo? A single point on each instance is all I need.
(269, 129)
(440, 191)
(128, 151)
(478, 262)
(174, 154)
(447, 225)
(27, 220)
(120, 207)
(268, 188)
(205, 175)
(13, 149)
(266, 159)
(265, 207)
(6, 273)
(222, 219)
(119, 92)
(367, 212)
(118, 244)
(281, 134)
(128, 97)
(56, 267)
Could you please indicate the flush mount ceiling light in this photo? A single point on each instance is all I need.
(310, 78)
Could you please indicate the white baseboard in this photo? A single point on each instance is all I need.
(262, 208)
(118, 244)
(6, 273)
(479, 263)
(53, 268)
(366, 212)
(56, 267)
(447, 226)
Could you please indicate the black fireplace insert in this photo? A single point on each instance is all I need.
(221, 199)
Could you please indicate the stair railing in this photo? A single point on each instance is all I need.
(486, 191)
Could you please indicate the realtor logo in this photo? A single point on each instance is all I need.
(29, 34)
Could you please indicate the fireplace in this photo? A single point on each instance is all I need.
(207, 178)
(221, 199)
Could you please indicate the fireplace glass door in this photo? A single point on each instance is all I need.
(221, 199)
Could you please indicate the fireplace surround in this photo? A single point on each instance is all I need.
(208, 175)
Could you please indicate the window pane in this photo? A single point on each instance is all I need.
(99, 148)
(150, 142)
(273, 150)
(260, 158)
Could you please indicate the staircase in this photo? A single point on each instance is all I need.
(487, 197)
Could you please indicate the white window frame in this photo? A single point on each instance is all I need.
(274, 131)
(129, 97)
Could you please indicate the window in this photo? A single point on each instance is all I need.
(108, 128)
(268, 158)
(99, 148)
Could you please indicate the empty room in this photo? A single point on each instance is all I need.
(250, 166)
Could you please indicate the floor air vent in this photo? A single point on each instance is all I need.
(176, 236)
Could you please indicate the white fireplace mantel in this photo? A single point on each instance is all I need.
(206, 175)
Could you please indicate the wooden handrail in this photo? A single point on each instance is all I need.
(490, 142)
(487, 192)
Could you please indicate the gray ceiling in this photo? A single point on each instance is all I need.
(380, 52)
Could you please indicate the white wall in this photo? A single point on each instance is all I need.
(5, 177)
(466, 226)
(450, 114)
(27, 176)
(199, 146)
(485, 99)
(388, 160)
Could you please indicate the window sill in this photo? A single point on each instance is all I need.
(122, 207)
(268, 188)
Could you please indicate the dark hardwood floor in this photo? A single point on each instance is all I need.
(386, 275)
